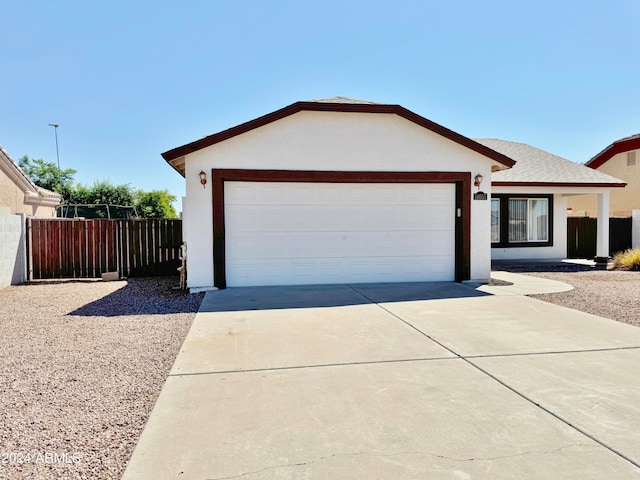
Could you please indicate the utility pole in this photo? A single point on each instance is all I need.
(55, 129)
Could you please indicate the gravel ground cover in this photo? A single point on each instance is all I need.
(82, 364)
(613, 294)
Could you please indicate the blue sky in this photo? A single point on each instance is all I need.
(127, 80)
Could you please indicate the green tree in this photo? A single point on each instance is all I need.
(103, 191)
(155, 204)
(79, 195)
(48, 175)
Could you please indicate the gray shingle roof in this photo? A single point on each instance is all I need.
(535, 166)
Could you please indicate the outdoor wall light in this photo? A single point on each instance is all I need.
(203, 178)
(478, 180)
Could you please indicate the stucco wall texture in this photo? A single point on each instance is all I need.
(11, 196)
(330, 141)
(623, 200)
(12, 249)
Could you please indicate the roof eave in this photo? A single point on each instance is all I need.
(619, 146)
(178, 165)
(176, 153)
(42, 201)
(15, 173)
(557, 184)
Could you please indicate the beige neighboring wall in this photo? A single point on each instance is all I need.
(11, 196)
(623, 200)
(21, 195)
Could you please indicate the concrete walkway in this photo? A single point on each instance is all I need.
(523, 285)
(438, 381)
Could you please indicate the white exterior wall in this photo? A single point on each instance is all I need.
(560, 202)
(330, 141)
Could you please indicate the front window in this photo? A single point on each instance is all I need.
(528, 220)
(495, 220)
(521, 221)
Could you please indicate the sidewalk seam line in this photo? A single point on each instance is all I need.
(556, 352)
(320, 365)
(399, 360)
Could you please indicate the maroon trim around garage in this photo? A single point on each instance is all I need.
(556, 184)
(336, 107)
(620, 146)
(462, 181)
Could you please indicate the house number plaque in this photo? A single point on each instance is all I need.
(480, 196)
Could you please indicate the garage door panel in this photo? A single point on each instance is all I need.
(440, 194)
(301, 233)
(337, 270)
(256, 218)
(284, 193)
(339, 245)
(330, 194)
(238, 193)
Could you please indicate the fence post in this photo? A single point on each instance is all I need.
(29, 245)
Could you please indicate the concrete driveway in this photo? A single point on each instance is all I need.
(437, 381)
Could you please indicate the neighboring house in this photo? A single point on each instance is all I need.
(19, 198)
(621, 159)
(346, 191)
(20, 195)
(529, 202)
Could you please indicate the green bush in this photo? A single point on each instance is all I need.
(627, 260)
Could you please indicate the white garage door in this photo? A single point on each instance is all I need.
(312, 233)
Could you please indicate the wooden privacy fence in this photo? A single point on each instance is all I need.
(581, 236)
(70, 248)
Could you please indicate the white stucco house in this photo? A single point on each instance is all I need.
(529, 202)
(350, 191)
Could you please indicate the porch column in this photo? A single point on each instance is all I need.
(635, 229)
(602, 241)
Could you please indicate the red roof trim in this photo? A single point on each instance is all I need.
(336, 107)
(615, 148)
(556, 184)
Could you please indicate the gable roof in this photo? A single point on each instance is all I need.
(334, 104)
(535, 167)
(33, 194)
(619, 146)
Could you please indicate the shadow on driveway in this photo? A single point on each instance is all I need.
(309, 296)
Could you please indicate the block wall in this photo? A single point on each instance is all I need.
(12, 250)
